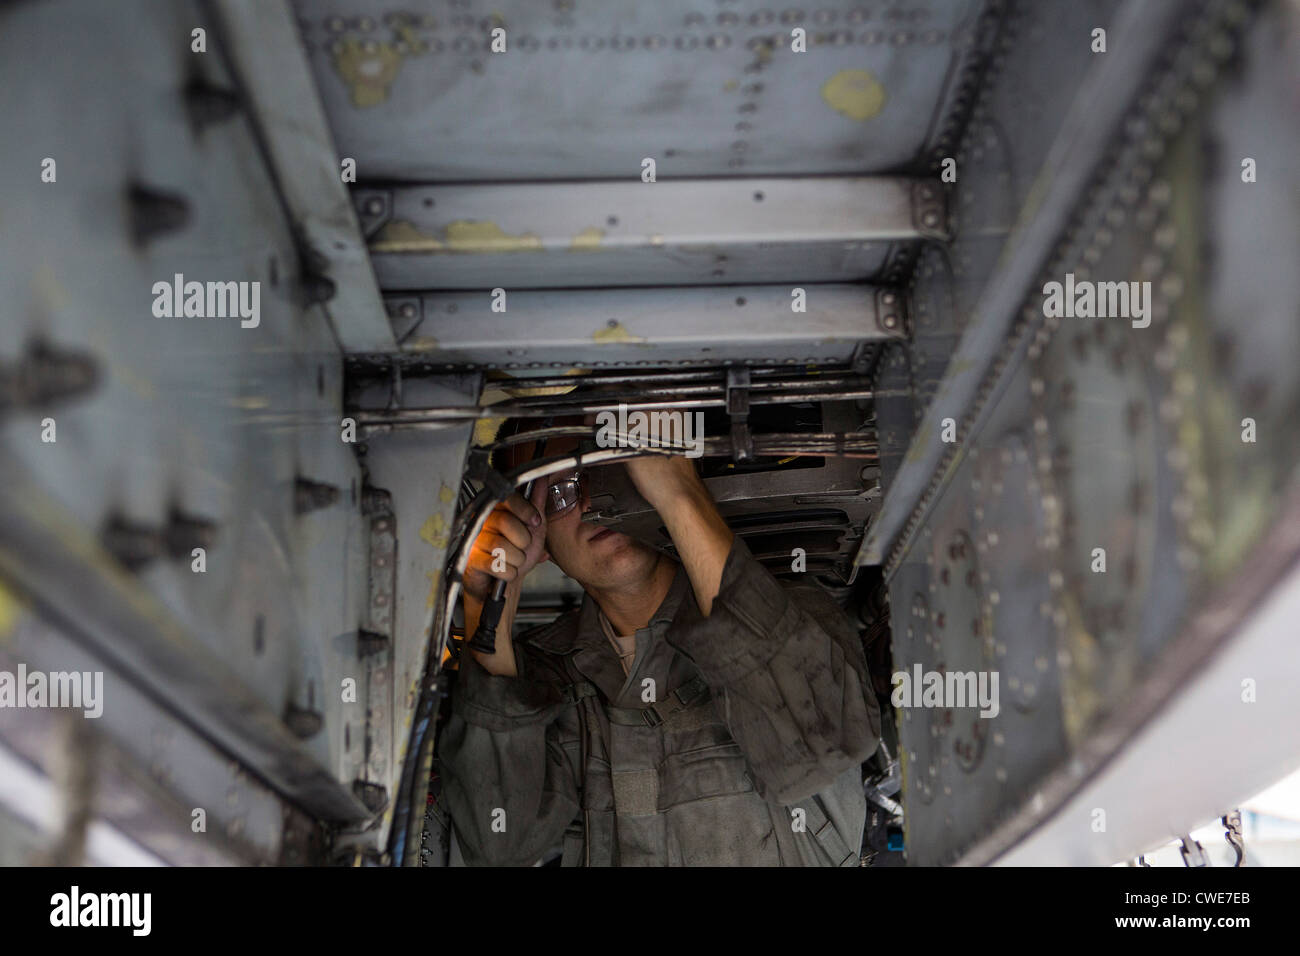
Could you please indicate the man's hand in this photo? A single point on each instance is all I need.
(516, 531)
(516, 527)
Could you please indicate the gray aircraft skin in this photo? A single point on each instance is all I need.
(989, 311)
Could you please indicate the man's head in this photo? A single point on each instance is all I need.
(596, 557)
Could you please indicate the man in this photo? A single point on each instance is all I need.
(687, 714)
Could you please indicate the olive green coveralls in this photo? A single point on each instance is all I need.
(735, 739)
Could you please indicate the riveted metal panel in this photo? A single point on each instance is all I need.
(587, 90)
(1117, 517)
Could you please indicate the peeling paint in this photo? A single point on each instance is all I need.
(434, 531)
(856, 94)
(368, 68)
(446, 494)
(422, 343)
(614, 332)
(587, 240)
(468, 235)
(485, 430)
(402, 236)
(435, 579)
(463, 236)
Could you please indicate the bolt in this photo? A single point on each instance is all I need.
(154, 213)
(303, 723)
(372, 795)
(312, 495)
(208, 104)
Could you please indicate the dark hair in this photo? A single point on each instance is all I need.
(508, 457)
(502, 459)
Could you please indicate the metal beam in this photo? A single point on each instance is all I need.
(267, 55)
(605, 327)
(630, 233)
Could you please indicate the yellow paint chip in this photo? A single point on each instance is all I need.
(434, 531)
(614, 332)
(435, 578)
(856, 94)
(464, 236)
(368, 69)
(485, 430)
(402, 236)
(467, 235)
(587, 240)
(446, 494)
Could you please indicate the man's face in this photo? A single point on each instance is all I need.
(596, 556)
(592, 555)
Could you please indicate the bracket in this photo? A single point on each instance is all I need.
(742, 442)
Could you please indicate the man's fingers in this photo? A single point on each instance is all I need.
(480, 563)
(506, 524)
(540, 488)
(501, 549)
(523, 510)
(497, 557)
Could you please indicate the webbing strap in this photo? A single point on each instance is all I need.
(692, 692)
(819, 824)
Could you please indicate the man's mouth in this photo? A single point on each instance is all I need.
(603, 532)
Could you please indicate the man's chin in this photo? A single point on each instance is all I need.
(606, 536)
(617, 553)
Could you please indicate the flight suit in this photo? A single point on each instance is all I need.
(735, 739)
